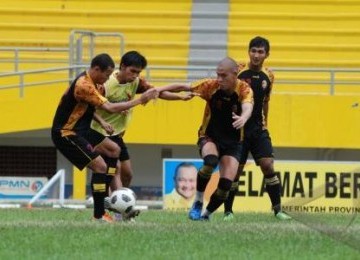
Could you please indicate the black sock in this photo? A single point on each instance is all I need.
(273, 188)
(109, 178)
(229, 202)
(111, 170)
(219, 195)
(98, 187)
(203, 178)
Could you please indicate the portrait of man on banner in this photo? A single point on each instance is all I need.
(179, 183)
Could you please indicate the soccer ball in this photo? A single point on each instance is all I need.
(123, 200)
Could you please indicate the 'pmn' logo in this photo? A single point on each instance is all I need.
(36, 186)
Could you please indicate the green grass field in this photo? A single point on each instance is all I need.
(157, 234)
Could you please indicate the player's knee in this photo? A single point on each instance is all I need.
(115, 151)
(98, 165)
(267, 166)
(211, 161)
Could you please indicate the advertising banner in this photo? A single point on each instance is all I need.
(307, 186)
(20, 187)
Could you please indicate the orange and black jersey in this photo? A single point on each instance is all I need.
(217, 120)
(76, 108)
(261, 83)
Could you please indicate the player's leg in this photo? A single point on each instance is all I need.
(124, 177)
(126, 168)
(228, 169)
(126, 173)
(110, 151)
(229, 202)
(263, 155)
(81, 153)
(99, 188)
(209, 153)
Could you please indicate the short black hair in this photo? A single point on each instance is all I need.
(103, 61)
(133, 58)
(182, 165)
(259, 41)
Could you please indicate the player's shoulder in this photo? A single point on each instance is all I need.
(207, 82)
(242, 66)
(84, 81)
(269, 72)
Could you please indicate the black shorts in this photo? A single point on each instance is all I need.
(124, 154)
(233, 149)
(78, 149)
(259, 144)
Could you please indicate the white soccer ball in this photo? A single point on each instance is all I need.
(123, 200)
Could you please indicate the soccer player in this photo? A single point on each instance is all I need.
(229, 104)
(122, 86)
(257, 139)
(71, 132)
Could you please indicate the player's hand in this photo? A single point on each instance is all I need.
(151, 93)
(101, 89)
(125, 112)
(189, 95)
(238, 122)
(108, 128)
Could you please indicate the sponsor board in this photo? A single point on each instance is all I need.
(20, 187)
(307, 186)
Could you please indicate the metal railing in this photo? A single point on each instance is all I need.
(201, 72)
(22, 83)
(209, 71)
(16, 58)
(332, 81)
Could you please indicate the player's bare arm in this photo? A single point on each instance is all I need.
(266, 111)
(171, 92)
(122, 106)
(239, 121)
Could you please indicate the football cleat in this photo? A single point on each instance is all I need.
(228, 216)
(195, 211)
(282, 216)
(106, 218)
(205, 218)
(130, 216)
(117, 217)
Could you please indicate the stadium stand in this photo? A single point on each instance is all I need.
(314, 34)
(159, 29)
(175, 34)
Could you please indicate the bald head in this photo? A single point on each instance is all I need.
(228, 64)
(227, 71)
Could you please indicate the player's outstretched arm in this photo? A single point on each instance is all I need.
(122, 106)
(169, 92)
(175, 87)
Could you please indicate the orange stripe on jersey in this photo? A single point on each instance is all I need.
(206, 88)
(75, 115)
(271, 77)
(244, 91)
(85, 91)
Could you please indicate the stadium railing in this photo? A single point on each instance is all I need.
(327, 77)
